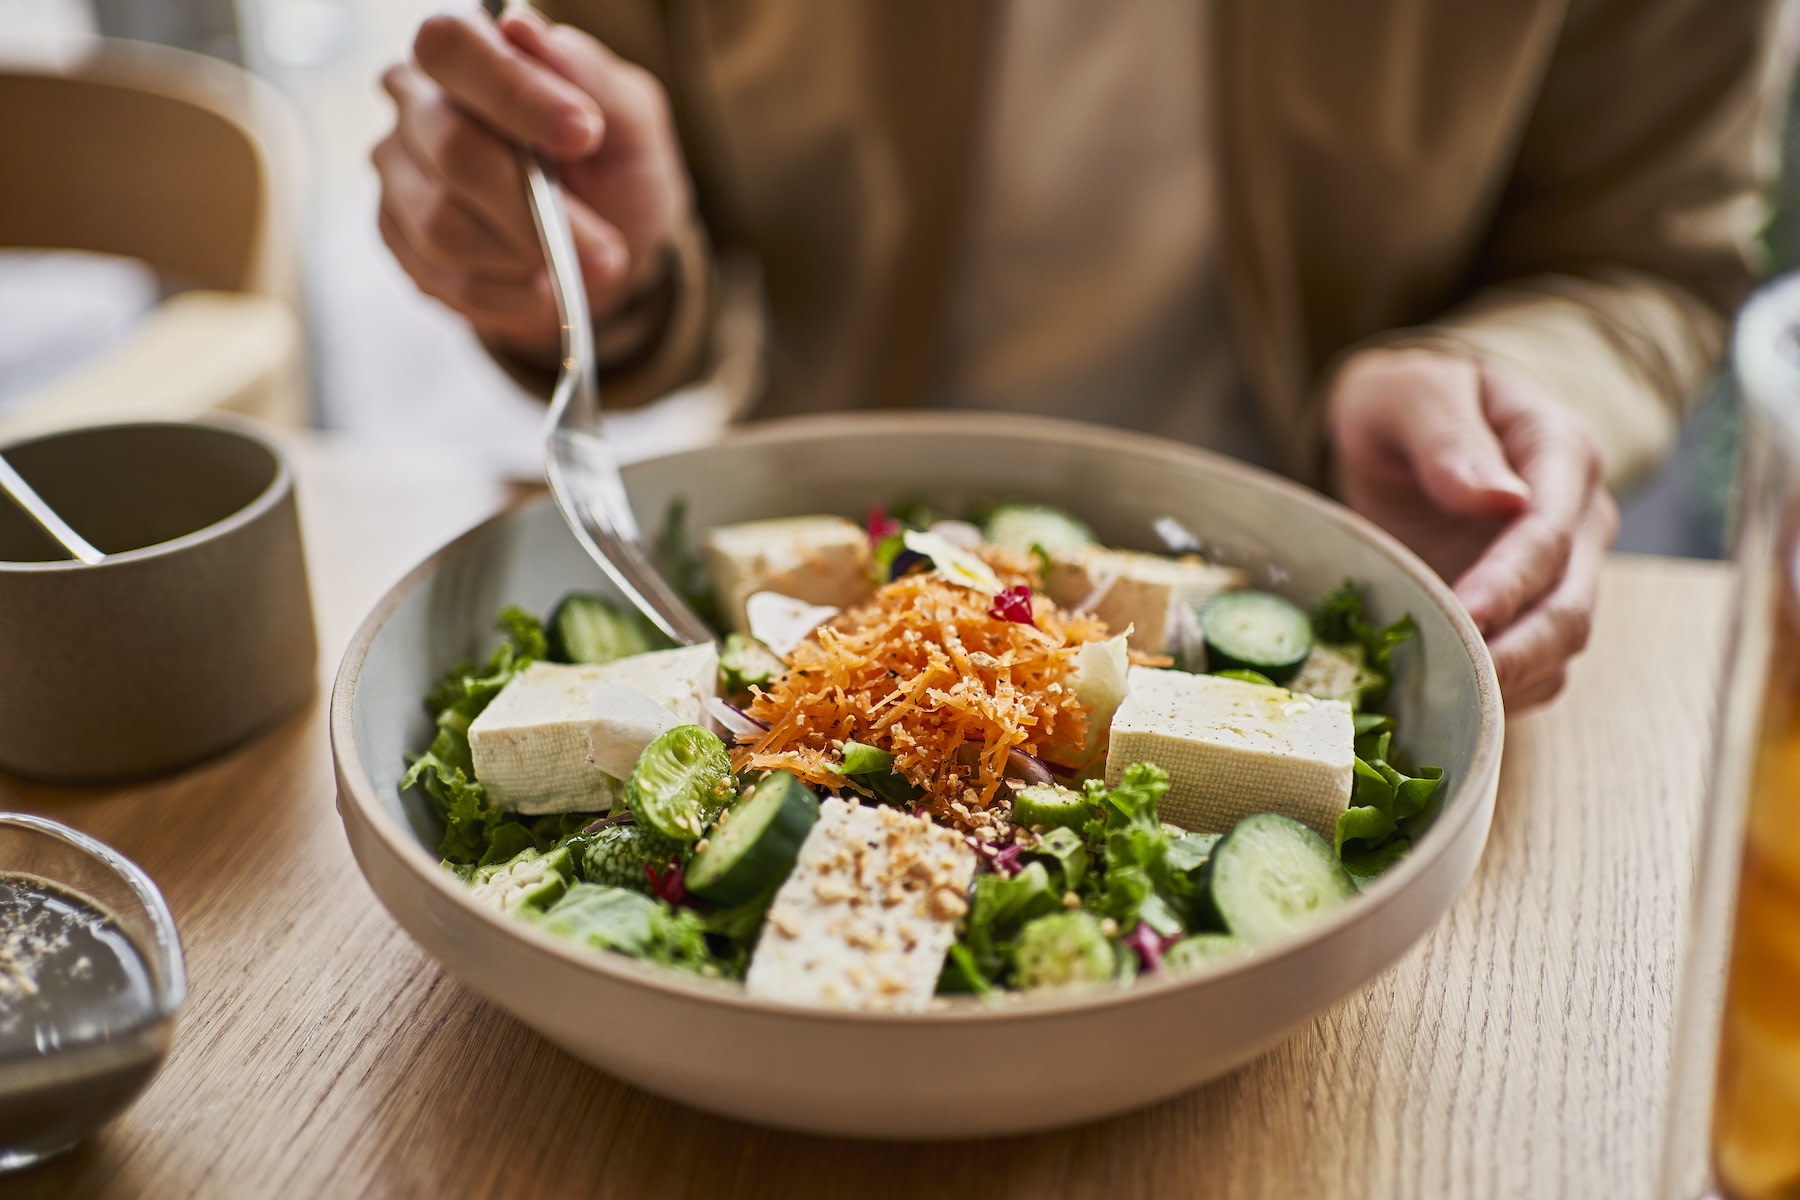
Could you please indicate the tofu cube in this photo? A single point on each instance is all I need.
(531, 744)
(867, 915)
(1141, 591)
(821, 560)
(1233, 748)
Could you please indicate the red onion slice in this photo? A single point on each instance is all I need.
(1002, 860)
(1023, 766)
(1149, 946)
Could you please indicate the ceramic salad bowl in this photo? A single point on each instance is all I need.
(966, 1068)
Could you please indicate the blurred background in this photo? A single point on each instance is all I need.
(288, 271)
(373, 356)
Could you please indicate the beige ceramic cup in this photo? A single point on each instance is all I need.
(193, 634)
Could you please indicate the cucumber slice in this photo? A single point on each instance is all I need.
(1202, 949)
(1256, 631)
(1047, 806)
(1339, 673)
(680, 783)
(588, 629)
(1243, 676)
(753, 845)
(1024, 527)
(745, 662)
(1272, 876)
(529, 882)
(1062, 948)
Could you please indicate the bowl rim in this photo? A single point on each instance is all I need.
(280, 485)
(171, 975)
(357, 789)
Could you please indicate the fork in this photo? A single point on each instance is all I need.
(579, 464)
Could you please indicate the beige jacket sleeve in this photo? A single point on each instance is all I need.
(1629, 232)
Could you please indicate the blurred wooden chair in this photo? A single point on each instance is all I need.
(181, 161)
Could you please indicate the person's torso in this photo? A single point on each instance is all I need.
(1361, 148)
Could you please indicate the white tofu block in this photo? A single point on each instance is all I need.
(821, 560)
(623, 722)
(868, 914)
(1141, 591)
(1099, 683)
(531, 745)
(1233, 748)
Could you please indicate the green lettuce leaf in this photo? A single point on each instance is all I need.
(870, 769)
(633, 924)
(1000, 908)
(1133, 803)
(1340, 619)
(1189, 852)
(960, 974)
(682, 564)
(741, 922)
(1364, 823)
(1387, 809)
(1365, 865)
(1069, 852)
(882, 556)
(1137, 880)
(1388, 806)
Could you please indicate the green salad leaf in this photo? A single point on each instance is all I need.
(1388, 808)
(1341, 619)
(741, 923)
(1069, 851)
(1190, 852)
(609, 918)
(870, 769)
(475, 832)
(1137, 880)
(1001, 907)
(961, 975)
(682, 564)
(882, 556)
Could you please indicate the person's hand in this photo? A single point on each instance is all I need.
(1493, 484)
(453, 207)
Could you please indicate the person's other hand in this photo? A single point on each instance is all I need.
(1492, 483)
(453, 207)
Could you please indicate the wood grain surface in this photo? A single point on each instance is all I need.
(1520, 1050)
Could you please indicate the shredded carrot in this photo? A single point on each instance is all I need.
(927, 672)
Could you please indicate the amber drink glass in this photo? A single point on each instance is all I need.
(1734, 1111)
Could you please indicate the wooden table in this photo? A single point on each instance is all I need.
(1520, 1050)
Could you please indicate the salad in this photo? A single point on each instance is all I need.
(929, 757)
